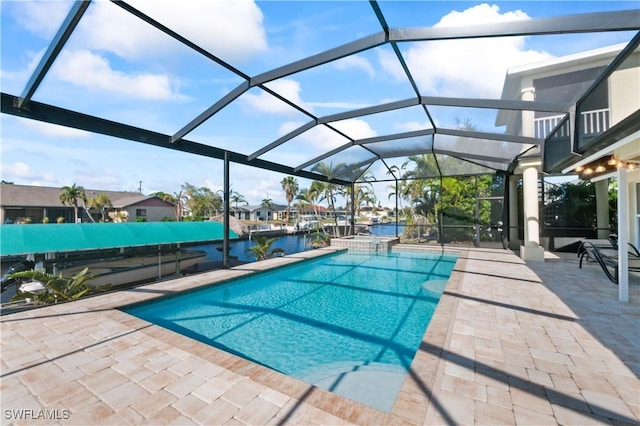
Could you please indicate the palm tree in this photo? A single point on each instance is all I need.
(236, 198)
(309, 196)
(363, 193)
(70, 195)
(327, 190)
(178, 199)
(267, 203)
(59, 288)
(262, 250)
(100, 202)
(290, 187)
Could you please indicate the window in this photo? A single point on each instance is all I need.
(141, 212)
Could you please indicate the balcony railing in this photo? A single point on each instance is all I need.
(593, 122)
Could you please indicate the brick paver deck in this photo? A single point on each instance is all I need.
(510, 343)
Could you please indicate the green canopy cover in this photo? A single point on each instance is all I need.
(64, 237)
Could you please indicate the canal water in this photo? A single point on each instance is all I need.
(289, 243)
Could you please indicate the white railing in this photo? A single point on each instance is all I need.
(596, 121)
(593, 122)
(543, 126)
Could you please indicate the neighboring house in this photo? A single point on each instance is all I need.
(24, 203)
(600, 134)
(240, 212)
(149, 208)
(260, 213)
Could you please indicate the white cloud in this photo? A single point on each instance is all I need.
(265, 102)
(21, 171)
(466, 68)
(54, 130)
(355, 62)
(93, 72)
(41, 17)
(321, 139)
(289, 126)
(389, 62)
(411, 126)
(230, 29)
(355, 128)
(340, 105)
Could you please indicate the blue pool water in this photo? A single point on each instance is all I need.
(322, 320)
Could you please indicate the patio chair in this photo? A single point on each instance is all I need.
(607, 257)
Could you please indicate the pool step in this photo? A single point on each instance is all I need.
(373, 384)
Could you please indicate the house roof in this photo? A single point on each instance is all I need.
(64, 237)
(274, 207)
(12, 195)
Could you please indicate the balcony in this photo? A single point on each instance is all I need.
(593, 123)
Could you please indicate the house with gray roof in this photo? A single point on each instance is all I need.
(25, 203)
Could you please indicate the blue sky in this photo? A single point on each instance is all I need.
(117, 68)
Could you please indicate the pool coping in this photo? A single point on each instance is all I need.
(413, 398)
(411, 402)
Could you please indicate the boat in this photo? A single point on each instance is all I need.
(125, 269)
(308, 222)
(135, 269)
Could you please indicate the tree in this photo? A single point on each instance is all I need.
(267, 203)
(236, 198)
(100, 202)
(290, 187)
(202, 201)
(177, 199)
(70, 195)
(319, 240)
(327, 190)
(364, 194)
(262, 250)
(309, 196)
(580, 204)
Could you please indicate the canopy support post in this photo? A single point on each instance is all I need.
(353, 208)
(225, 213)
(396, 208)
(623, 235)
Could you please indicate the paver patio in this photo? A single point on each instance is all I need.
(510, 343)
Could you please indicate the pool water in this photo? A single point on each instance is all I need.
(343, 322)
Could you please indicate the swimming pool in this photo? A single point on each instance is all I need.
(350, 322)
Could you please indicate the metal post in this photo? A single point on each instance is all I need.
(225, 239)
(178, 252)
(476, 217)
(353, 208)
(397, 208)
(623, 235)
(441, 218)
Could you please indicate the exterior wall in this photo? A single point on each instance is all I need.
(152, 213)
(624, 86)
(263, 214)
(633, 192)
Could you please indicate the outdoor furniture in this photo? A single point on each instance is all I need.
(606, 255)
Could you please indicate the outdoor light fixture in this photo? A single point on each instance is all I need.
(604, 165)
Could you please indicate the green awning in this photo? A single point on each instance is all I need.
(65, 237)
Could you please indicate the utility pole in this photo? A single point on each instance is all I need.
(140, 187)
